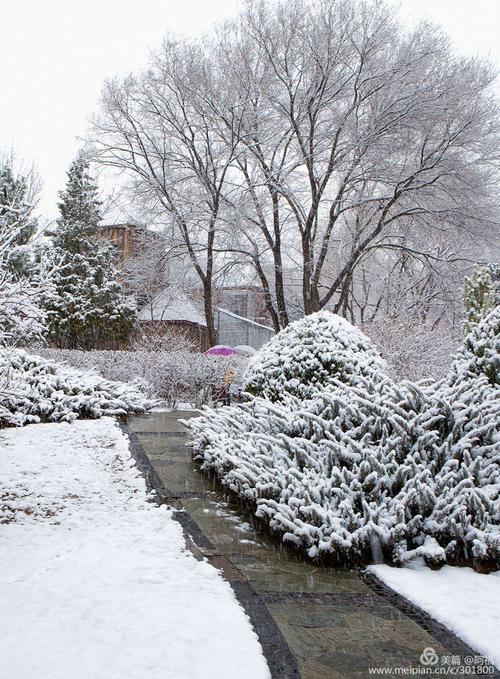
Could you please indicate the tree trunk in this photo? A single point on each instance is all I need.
(309, 289)
(209, 313)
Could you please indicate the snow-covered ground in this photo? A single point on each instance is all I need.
(95, 582)
(466, 602)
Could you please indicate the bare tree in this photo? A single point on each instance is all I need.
(380, 132)
(319, 137)
(160, 129)
(404, 340)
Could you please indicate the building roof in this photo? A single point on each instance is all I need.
(171, 305)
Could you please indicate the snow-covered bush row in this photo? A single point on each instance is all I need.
(365, 468)
(172, 376)
(33, 389)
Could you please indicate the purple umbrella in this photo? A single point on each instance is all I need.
(221, 350)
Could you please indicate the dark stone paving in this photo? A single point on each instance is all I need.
(313, 622)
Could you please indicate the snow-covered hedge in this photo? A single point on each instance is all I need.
(308, 355)
(368, 469)
(481, 351)
(33, 389)
(172, 376)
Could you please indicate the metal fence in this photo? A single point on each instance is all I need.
(235, 330)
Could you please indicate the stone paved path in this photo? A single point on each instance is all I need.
(313, 622)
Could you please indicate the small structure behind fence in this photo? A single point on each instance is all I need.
(235, 330)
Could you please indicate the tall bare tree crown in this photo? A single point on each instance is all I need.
(317, 144)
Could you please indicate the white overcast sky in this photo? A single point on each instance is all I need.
(55, 54)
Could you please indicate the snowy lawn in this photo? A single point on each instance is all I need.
(466, 602)
(94, 580)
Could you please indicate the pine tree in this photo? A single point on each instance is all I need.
(478, 296)
(88, 306)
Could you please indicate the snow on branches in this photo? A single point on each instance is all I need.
(21, 314)
(356, 467)
(87, 305)
(308, 354)
(177, 376)
(478, 296)
(481, 351)
(33, 389)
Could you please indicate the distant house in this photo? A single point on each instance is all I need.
(241, 317)
(174, 310)
(127, 238)
(177, 312)
(234, 330)
(246, 301)
(121, 237)
(240, 313)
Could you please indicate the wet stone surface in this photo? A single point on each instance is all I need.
(334, 624)
(351, 638)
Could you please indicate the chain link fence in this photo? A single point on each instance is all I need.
(234, 330)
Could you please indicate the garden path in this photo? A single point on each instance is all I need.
(314, 622)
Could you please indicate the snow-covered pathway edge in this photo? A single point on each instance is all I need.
(96, 580)
(466, 602)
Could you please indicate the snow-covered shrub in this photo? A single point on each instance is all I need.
(172, 376)
(164, 340)
(481, 351)
(478, 296)
(368, 470)
(308, 355)
(469, 485)
(33, 389)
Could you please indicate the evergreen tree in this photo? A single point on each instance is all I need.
(17, 224)
(478, 296)
(494, 269)
(88, 306)
(22, 318)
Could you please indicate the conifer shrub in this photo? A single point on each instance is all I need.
(34, 389)
(308, 355)
(364, 468)
(481, 351)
